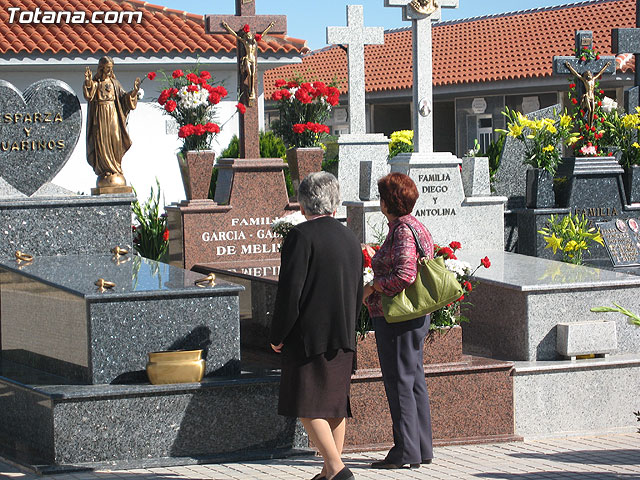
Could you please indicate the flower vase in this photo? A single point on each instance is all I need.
(631, 181)
(196, 168)
(540, 192)
(175, 366)
(302, 162)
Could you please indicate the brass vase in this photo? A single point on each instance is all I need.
(177, 366)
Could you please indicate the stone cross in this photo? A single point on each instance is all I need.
(355, 36)
(422, 13)
(584, 38)
(249, 134)
(627, 40)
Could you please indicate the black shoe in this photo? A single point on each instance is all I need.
(344, 474)
(427, 461)
(387, 465)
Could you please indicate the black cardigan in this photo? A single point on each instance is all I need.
(319, 290)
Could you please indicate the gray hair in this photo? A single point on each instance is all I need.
(319, 193)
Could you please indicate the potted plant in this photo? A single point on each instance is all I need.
(303, 107)
(622, 134)
(542, 139)
(191, 100)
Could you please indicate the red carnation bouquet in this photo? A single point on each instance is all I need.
(304, 107)
(191, 99)
(451, 314)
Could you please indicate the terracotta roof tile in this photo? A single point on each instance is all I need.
(162, 30)
(509, 46)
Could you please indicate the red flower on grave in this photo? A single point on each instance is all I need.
(280, 83)
(597, 57)
(455, 245)
(164, 96)
(601, 92)
(258, 37)
(460, 299)
(177, 74)
(447, 252)
(151, 75)
(277, 95)
(246, 28)
(204, 75)
(192, 88)
(214, 98)
(599, 103)
(572, 85)
(486, 263)
(467, 286)
(193, 78)
(367, 258)
(574, 101)
(165, 235)
(170, 106)
(299, 128)
(241, 108)
(211, 128)
(583, 58)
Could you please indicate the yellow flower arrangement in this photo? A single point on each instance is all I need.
(570, 235)
(541, 137)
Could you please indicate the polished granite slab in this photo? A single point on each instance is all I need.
(134, 276)
(518, 302)
(54, 318)
(533, 274)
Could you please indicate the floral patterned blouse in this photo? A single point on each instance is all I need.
(395, 264)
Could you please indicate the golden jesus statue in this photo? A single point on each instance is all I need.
(249, 62)
(108, 108)
(588, 101)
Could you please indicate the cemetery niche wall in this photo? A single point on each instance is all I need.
(73, 388)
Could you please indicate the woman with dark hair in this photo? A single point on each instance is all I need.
(318, 301)
(400, 345)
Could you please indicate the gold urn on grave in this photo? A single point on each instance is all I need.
(177, 366)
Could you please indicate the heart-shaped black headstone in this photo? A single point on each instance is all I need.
(38, 132)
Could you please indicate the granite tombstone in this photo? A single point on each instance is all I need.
(38, 132)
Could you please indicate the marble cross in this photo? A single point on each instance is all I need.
(422, 13)
(355, 36)
(249, 133)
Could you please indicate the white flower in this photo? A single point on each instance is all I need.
(458, 267)
(367, 276)
(609, 104)
(282, 225)
(195, 99)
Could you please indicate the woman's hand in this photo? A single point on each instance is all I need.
(277, 348)
(369, 249)
(368, 290)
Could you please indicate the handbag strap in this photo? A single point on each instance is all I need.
(421, 251)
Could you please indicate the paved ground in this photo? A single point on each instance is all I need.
(584, 458)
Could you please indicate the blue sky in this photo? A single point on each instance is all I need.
(308, 20)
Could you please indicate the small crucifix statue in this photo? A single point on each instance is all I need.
(242, 26)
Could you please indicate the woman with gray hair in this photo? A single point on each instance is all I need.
(317, 304)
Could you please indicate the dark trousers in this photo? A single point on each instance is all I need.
(400, 347)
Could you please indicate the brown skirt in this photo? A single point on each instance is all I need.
(316, 387)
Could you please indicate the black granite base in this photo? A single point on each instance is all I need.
(53, 428)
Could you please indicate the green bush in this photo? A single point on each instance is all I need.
(271, 146)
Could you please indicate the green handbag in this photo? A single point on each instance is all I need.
(434, 287)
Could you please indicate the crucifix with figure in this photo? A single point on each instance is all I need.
(422, 13)
(248, 29)
(587, 72)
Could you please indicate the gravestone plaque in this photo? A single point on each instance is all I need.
(38, 132)
(622, 241)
